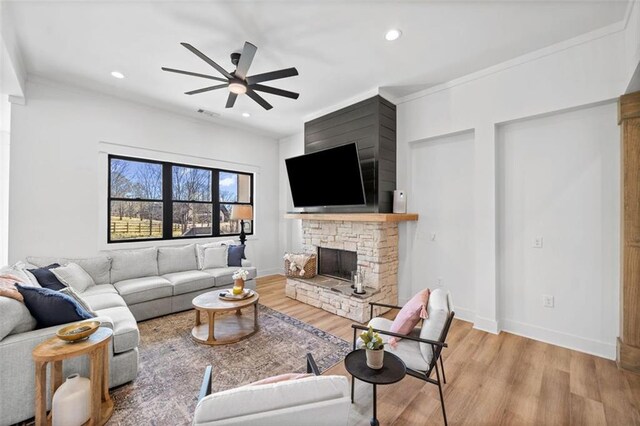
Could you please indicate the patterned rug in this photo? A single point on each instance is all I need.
(172, 364)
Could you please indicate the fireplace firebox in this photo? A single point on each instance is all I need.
(337, 263)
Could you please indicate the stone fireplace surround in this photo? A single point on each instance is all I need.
(374, 237)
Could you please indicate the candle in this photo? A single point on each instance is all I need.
(359, 287)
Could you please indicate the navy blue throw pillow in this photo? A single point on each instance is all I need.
(235, 255)
(46, 278)
(50, 307)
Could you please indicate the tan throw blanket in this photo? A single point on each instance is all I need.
(297, 262)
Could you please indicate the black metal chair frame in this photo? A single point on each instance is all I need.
(205, 389)
(436, 349)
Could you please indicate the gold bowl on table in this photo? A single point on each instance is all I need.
(78, 331)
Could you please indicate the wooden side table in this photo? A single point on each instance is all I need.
(54, 351)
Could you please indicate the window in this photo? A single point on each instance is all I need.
(154, 200)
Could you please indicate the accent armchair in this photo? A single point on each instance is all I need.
(422, 348)
(324, 399)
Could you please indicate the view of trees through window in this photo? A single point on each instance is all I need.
(197, 207)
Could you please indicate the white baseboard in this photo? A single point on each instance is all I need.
(565, 340)
(270, 271)
(486, 324)
(464, 314)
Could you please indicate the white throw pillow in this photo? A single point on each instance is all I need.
(72, 275)
(215, 257)
(200, 248)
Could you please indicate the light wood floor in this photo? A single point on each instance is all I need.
(503, 379)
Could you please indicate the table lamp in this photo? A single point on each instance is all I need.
(242, 213)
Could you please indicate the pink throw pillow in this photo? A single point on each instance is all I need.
(281, 378)
(410, 315)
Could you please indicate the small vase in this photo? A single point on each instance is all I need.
(375, 358)
(71, 404)
(239, 283)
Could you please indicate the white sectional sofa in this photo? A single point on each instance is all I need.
(131, 286)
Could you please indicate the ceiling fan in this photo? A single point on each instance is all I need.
(237, 81)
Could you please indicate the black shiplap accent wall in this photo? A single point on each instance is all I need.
(372, 125)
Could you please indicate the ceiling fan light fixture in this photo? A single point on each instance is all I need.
(392, 35)
(246, 115)
(237, 88)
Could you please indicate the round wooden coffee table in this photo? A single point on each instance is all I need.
(228, 328)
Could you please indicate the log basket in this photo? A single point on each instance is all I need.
(309, 268)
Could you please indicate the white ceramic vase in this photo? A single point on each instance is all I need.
(375, 358)
(71, 405)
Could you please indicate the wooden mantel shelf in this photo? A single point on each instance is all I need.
(355, 217)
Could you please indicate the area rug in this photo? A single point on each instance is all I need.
(172, 364)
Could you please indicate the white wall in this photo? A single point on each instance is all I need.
(441, 189)
(58, 168)
(578, 73)
(559, 179)
(290, 229)
(5, 132)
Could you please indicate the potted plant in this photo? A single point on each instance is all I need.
(372, 343)
(239, 277)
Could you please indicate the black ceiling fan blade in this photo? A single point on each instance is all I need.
(274, 91)
(273, 75)
(246, 57)
(194, 74)
(231, 100)
(259, 99)
(206, 89)
(205, 58)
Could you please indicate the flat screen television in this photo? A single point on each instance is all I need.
(331, 177)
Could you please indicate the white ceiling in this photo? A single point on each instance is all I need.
(338, 47)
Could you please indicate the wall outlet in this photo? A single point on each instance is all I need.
(537, 242)
(439, 281)
(547, 301)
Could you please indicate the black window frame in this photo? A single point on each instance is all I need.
(167, 200)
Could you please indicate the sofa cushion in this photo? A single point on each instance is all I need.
(407, 350)
(72, 275)
(236, 254)
(439, 307)
(100, 289)
(20, 270)
(97, 267)
(188, 281)
(270, 397)
(50, 307)
(46, 278)
(177, 259)
(128, 264)
(215, 257)
(223, 276)
(14, 317)
(125, 329)
(103, 301)
(200, 249)
(139, 290)
(69, 291)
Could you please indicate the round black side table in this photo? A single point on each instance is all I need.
(392, 371)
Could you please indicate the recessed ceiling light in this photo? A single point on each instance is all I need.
(246, 114)
(117, 74)
(392, 35)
